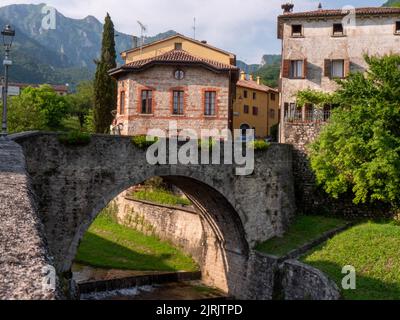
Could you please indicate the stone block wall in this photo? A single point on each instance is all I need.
(183, 227)
(310, 198)
(24, 258)
(303, 282)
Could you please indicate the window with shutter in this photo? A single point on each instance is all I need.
(346, 67)
(297, 70)
(327, 68)
(337, 69)
(286, 69)
(122, 102)
(305, 69)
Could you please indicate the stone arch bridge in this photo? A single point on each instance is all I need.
(54, 192)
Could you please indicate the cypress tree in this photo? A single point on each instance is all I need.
(105, 87)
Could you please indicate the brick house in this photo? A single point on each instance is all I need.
(163, 82)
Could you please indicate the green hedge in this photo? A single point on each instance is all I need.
(141, 141)
(75, 138)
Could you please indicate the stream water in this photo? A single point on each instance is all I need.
(184, 290)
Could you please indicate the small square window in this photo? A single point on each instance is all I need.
(297, 30)
(272, 113)
(338, 29)
(397, 30)
(178, 46)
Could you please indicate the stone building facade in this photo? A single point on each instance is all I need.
(319, 47)
(188, 88)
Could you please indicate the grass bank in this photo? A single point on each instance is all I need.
(303, 230)
(110, 245)
(373, 249)
(160, 196)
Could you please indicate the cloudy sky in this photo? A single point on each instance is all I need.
(244, 27)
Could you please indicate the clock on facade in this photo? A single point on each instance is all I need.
(179, 74)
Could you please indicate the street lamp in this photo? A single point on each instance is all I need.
(8, 34)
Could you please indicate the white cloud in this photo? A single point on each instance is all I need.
(247, 28)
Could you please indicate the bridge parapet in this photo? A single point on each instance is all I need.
(23, 253)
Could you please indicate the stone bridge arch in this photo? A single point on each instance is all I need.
(74, 183)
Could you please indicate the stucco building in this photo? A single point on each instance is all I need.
(176, 79)
(320, 46)
(256, 106)
(317, 48)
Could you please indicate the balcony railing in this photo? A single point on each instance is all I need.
(308, 116)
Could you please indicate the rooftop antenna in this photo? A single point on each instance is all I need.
(143, 30)
(194, 28)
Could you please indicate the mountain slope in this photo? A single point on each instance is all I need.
(268, 69)
(392, 3)
(63, 55)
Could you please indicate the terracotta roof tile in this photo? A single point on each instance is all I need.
(340, 12)
(254, 85)
(175, 57)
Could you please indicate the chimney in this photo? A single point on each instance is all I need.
(258, 80)
(287, 7)
(242, 75)
(250, 77)
(135, 42)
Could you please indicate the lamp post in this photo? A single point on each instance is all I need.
(8, 34)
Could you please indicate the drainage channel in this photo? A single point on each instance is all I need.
(145, 286)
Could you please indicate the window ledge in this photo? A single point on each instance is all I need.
(210, 117)
(338, 35)
(297, 37)
(146, 114)
(397, 33)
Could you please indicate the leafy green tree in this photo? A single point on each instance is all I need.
(359, 150)
(81, 102)
(105, 87)
(37, 109)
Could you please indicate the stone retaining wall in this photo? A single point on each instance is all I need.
(182, 227)
(303, 282)
(265, 277)
(310, 198)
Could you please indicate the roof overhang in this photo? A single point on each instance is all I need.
(122, 70)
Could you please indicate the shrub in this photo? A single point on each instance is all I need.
(260, 145)
(207, 144)
(75, 138)
(142, 143)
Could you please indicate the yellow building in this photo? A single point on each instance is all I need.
(179, 42)
(256, 106)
